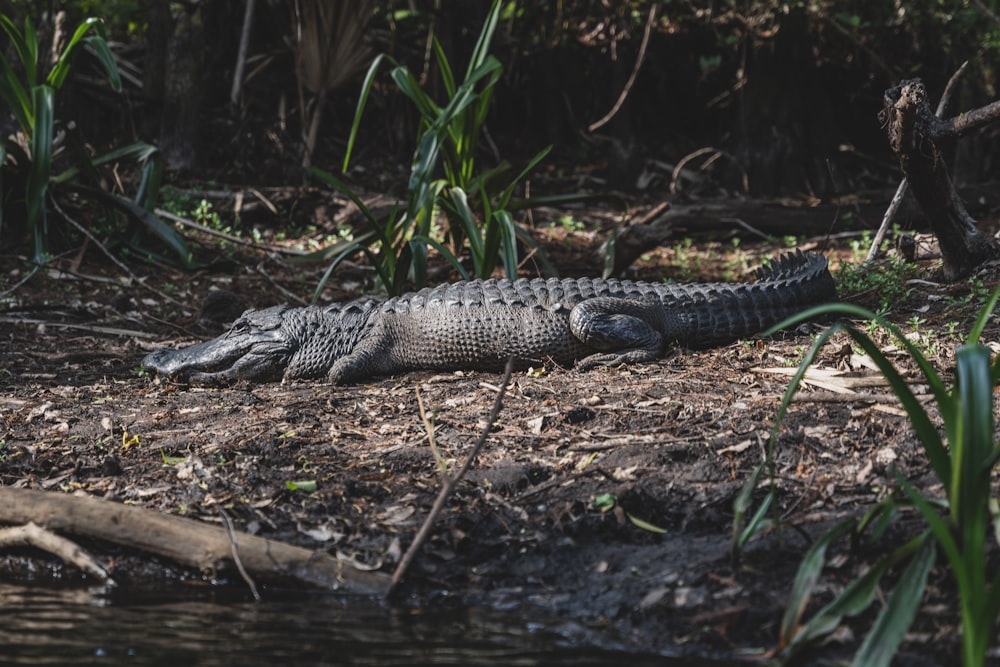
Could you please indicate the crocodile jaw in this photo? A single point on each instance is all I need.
(257, 355)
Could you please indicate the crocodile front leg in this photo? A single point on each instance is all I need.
(623, 329)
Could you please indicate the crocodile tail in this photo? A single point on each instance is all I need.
(791, 265)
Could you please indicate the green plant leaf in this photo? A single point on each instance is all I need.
(366, 89)
(152, 222)
(885, 636)
(40, 170)
(57, 76)
(25, 44)
(508, 242)
(409, 86)
(805, 580)
(104, 56)
(645, 525)
(976, 332)
(446, 253)
(306, 485)
(447, 76)
(16, 97)
(532, 163)
(482, 48)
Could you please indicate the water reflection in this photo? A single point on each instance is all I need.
(46, 626)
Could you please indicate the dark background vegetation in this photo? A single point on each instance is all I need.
(788, 90)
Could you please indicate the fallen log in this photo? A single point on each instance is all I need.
(186, 541)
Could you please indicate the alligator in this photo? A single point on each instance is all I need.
(480, 324)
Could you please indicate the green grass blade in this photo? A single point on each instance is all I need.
(148, 191)
(805, 580)
(883, 640)
(447, 76)
(409, 86)
(508, 242)
(518, 203)
(537, 253)
(976, 332)
(464, 214)
(25, 44)
(16, 97)
(57, 76)
(352, 247)
(925, 430)
(445, 252)
(40, 169)
(532, 163)
(939, 527)
(337, 184)
(366, 89)
(852, 600)
(167, 234)
(481, 50)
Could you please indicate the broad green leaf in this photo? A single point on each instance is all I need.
(464, 214)
(605, 501)
(307, 485)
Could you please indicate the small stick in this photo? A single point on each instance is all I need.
(897, 199)
(429, 427)
(231, 531)
(650, 19)
(450, 484)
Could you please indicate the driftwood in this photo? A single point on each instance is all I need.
(186, 541)
(915, 134)
(33, 535)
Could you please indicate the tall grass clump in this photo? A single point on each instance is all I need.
(446, 178)
(26, 160)
(958, 526)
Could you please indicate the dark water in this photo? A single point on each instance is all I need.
(46, 626)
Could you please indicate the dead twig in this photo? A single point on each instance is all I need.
(650, 19)
(107, 253)
(429, 428)
(450, 484)
(231, 532)
(229, 237)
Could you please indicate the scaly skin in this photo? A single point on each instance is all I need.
(478, 325)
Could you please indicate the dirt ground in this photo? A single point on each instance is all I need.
(672, 442)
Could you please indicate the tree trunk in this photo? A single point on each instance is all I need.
(914, 133)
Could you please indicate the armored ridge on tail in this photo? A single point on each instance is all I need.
(478, 325)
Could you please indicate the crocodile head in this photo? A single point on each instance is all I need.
(270, 344)
(258, 347)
